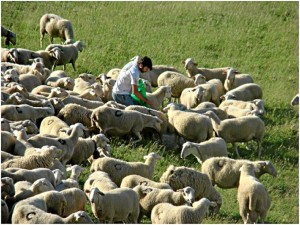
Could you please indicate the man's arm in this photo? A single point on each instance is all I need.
(139, 95)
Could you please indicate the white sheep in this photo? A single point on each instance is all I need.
(31, 214)
(191, 126)
(234, 80)
(245, 92)
(213, 147)
(25, 112)
(166, 213)
(224, 172)
(295, 100)
(22, 56)
(10, 37)
(120, 122)
(180, 177)
(253, 198)
(29, 175)
(61, 184)
(191, 97)
(120, 204)
(215, 73)
(83, 81)
(8, 141)
(133, 180)
(49, 57)
(18, 99)
(118, 169)
(235, 112)
(52, 125)
(242, 129)
(75, 171)
(56, 26)
(159, 95)
(30, 127)
(76, 200)
(7, 187)
(149, 197)
(69, 54)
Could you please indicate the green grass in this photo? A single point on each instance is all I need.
(259, 38)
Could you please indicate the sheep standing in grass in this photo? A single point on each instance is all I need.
(241, 129)
(56, 26)
(120, 204)
(166, 213)
(191, 126)
(213, 147)
(253, 105)
(10, 37)
(295, 100)
(120, 122)
(224, 172)
(118, 169)
(180, 177)
(253, 198)
(245, 92)
(191, 97)
(233, 81)
(158, 96)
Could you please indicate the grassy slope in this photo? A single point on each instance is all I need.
(259, 38)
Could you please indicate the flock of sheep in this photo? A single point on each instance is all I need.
(52, 124)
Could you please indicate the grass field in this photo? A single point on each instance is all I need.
(259, 38)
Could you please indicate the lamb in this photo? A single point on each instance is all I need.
(88, 147)
(166, 127)
(30, 81)
(83, 81)
(66, 144)
(120, 204)
(98, 179)
(120, 122)
(191, 97)
(158, 96)
(215, 73)
(245, 92)
(210, 93)
(295, 100)
(214, 147)
(180, 177)
(69, 54)
(61, 184)
(49, 58)
(76, 201)
(75, 172)
(242, 129)
(192, 126)
(233, 81)
(252, 196)
(7, 187)
(43, 160)
(32, 214)
(224, 172)
(133, 180)
(25, 112)
(56, 26)
(118, 169)
(153, 196)
(57, 104)
(65, 82)
(164, 213)
(4, 212)
(29, 175)
(235, 112)
(108, 85)
(10, 37)
(253, 105)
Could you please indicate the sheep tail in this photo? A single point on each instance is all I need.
(252, 202)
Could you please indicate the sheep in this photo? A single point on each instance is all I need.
(233, 81)
(253, 105)
(133, 180)
(18, 99)
(56, 26)
(224, 172)
(245, 92)
(5, 125)
(252, 196)
(65, 82)
(107, 89)
(22, 146)
(76, 201)
(165, 126)
(83, 81)
(29, 175)
(191, 97)
(118, 169)
(4, 212)
(242, 129)
(120, 204)
(31, 214)
(153, 196)
(191, 126)
(295, 100)
(8, 141)
(43, 160)
(120, 122)
(5, 156)
(88, 147)
(61, 184)
(23, 56)
(10, 37)
(213, 147)
(49, 58)
(167, 213)
(235, 112)
(66, 144)
(158, 96)
(98, 179)
(39, 186)
(57, 104)
(75, 171)
(69, 54)
(49, 201)
(52, 125)
(11, 75)
(80, 101)
(7, 187)
(25, 112)
(180, 177)
(215, 73)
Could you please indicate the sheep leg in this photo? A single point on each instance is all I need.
(50, 39)
(137, 133)
(259, 148)
(236, 149)
(41, 39)
(73, 64)
(64, 67)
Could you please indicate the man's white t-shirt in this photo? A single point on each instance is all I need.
(129, 75)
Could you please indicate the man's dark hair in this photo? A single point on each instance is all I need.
(146, 61)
